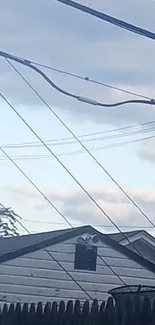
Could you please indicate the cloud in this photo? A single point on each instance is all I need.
(67, 39)
(78, 208)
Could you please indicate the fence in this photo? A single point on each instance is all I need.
(128, 312)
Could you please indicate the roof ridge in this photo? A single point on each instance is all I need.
(33, 246)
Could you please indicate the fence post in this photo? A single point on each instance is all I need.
(146, 315)
(108, 314)
(69, 313)
(60, 319)
(94, 313)
(47, 313)
(77, 316)
(32, 314)
(4, 315)
(54, 313)
(85, 313)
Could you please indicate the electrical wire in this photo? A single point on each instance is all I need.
(77, 152)
(40, 244)
(83, 99)
(63, 142)
(109, 19)
(84, 147)
(62, 215)
(93, 225)
(68, 129)
(87, 79)
(89, 101)
(51, 143)
(68, 171)
(86, 192)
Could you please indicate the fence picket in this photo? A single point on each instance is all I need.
(129, 311)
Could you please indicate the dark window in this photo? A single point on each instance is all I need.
(85, 257)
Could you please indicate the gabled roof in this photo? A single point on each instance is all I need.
(17, 246)
(121, 236)
(12, 244)
(140, 241)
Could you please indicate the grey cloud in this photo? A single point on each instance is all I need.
(22, 95)
(66, 39)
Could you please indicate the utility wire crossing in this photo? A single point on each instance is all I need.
(77, 152)
(84, 147)
(80, 98)
(85, 138)
(42, 246)
(2, 150)
(114, 21)
(140, 227)
(87, 79)
(73, 177)
(86, 192)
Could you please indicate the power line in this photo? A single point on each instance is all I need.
(109, 19)
(88, 79)
(64, 142)
(84, 147)
(41, 245)
(93, 225)
(58, 211)
(80, 98)
(77, 152)
(58, 160)
(101, 166)
(68, 171)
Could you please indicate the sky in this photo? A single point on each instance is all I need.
(53, 34)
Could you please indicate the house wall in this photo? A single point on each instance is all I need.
(35, 277)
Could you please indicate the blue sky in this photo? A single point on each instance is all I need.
(64, 38)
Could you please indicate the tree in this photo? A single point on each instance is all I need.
(8, 221)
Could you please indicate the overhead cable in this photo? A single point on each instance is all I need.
(80, 98)
(58, 211)
(109, 19)
(41, 244)
(84, 147)
(140, 227)
(64, 141)
(88, 79)
(71, 175)
(77, 152)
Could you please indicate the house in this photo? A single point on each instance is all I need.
(138, 241)
(28, 272)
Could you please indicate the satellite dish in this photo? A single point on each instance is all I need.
(95, 239)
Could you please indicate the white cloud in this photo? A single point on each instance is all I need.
(78, 208)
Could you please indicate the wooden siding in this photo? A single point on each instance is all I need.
(35, 277)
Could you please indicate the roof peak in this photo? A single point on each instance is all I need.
(15, 247)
